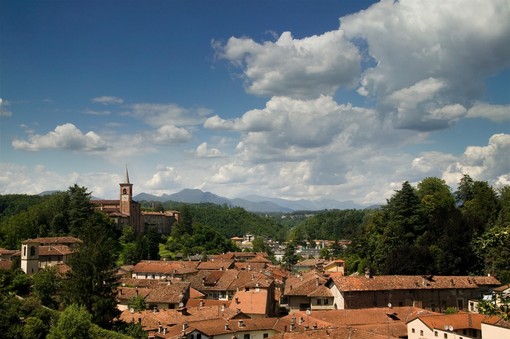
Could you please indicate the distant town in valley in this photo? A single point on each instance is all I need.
(430, 263)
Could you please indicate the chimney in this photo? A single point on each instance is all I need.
(293, 320)
(315, 326)
(237, 300)
(301, 320)
(160, 328)
(368, 273)
(165, 330)
(184, 325)
(291, 327)
(222, 307)
(226, 327)
(317, 281)
(240, 323)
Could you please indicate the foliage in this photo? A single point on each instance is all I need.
(137, 303)
(290, 258)
(499, 305)
(73, 322)
(46, 284)
(92, 280)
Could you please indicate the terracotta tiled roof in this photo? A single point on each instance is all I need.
(303, 285)
(229, 280)
(4, 251)
(250, 266)
(502, 288)
(335, 333)
(165, 267)
(206, 302)
(195, 294)
(321, 291)
(157, 292)
(459, 321)
(151, 320)
(250, 302)
(410, 282)
(216, 265)
(220, 327)
(45, 251)
(259, 259)
(496, 321)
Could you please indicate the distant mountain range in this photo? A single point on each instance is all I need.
(251, 203)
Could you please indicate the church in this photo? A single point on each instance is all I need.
(126, 211)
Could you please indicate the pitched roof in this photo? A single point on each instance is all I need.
(250, 302)
(459, 321)
(46, 251)
(150, 320)
(228, 280)
(165, 267)
(5, 265)
(156, 292)
(206, 302)
(303, 285)
(215, 265)
(410, 282)
(55, 240)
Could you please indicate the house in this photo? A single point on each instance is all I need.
(387, 322)
(159, 320)
(255, 303)
(222, 285)
(308, 264)
(42, 252)
(161, 269)
(335, 267)
(220, 265)
(429, 292)
(494, 327)
(8, 254)
(307, 292)
(156, 295)
(459, 325)
(228, 329)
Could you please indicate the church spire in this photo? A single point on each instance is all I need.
(126, 178)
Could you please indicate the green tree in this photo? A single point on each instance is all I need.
(80, 208)
(290, 258)
(92, 280)
(137, 303)
(46, 285)
(73, 322)
(34, 328)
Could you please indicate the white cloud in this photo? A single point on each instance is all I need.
(170, 134)
(107, 100)
(498, 113)
(455, 42)
(169, 114)
(203, 151)
(4, 112)
(299, 68)
(96, 112)
(66, 136)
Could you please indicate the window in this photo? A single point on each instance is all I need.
(246, 336)
(446, 335)
(413, 330)
(436, 334)
(326, 301)
(319, 301)
(266, 335)
(421, 333)
(199, 335)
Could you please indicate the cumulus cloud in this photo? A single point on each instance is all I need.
(165, 176)
(107, 100)
(169, 114)
(203, 151)
(299, 68)
(66, 136)
(170, 134)
(453, 45)
(498, 113)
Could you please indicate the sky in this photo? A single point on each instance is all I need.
(292, 99)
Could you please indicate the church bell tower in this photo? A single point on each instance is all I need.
(126, 195)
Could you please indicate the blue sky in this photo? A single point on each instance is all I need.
(292, 99)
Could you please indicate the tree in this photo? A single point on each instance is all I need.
(290, 257)
(46, 284)
(137, 303)
(34, 328)
(80, 208)
(92, 280)
(73, 322)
